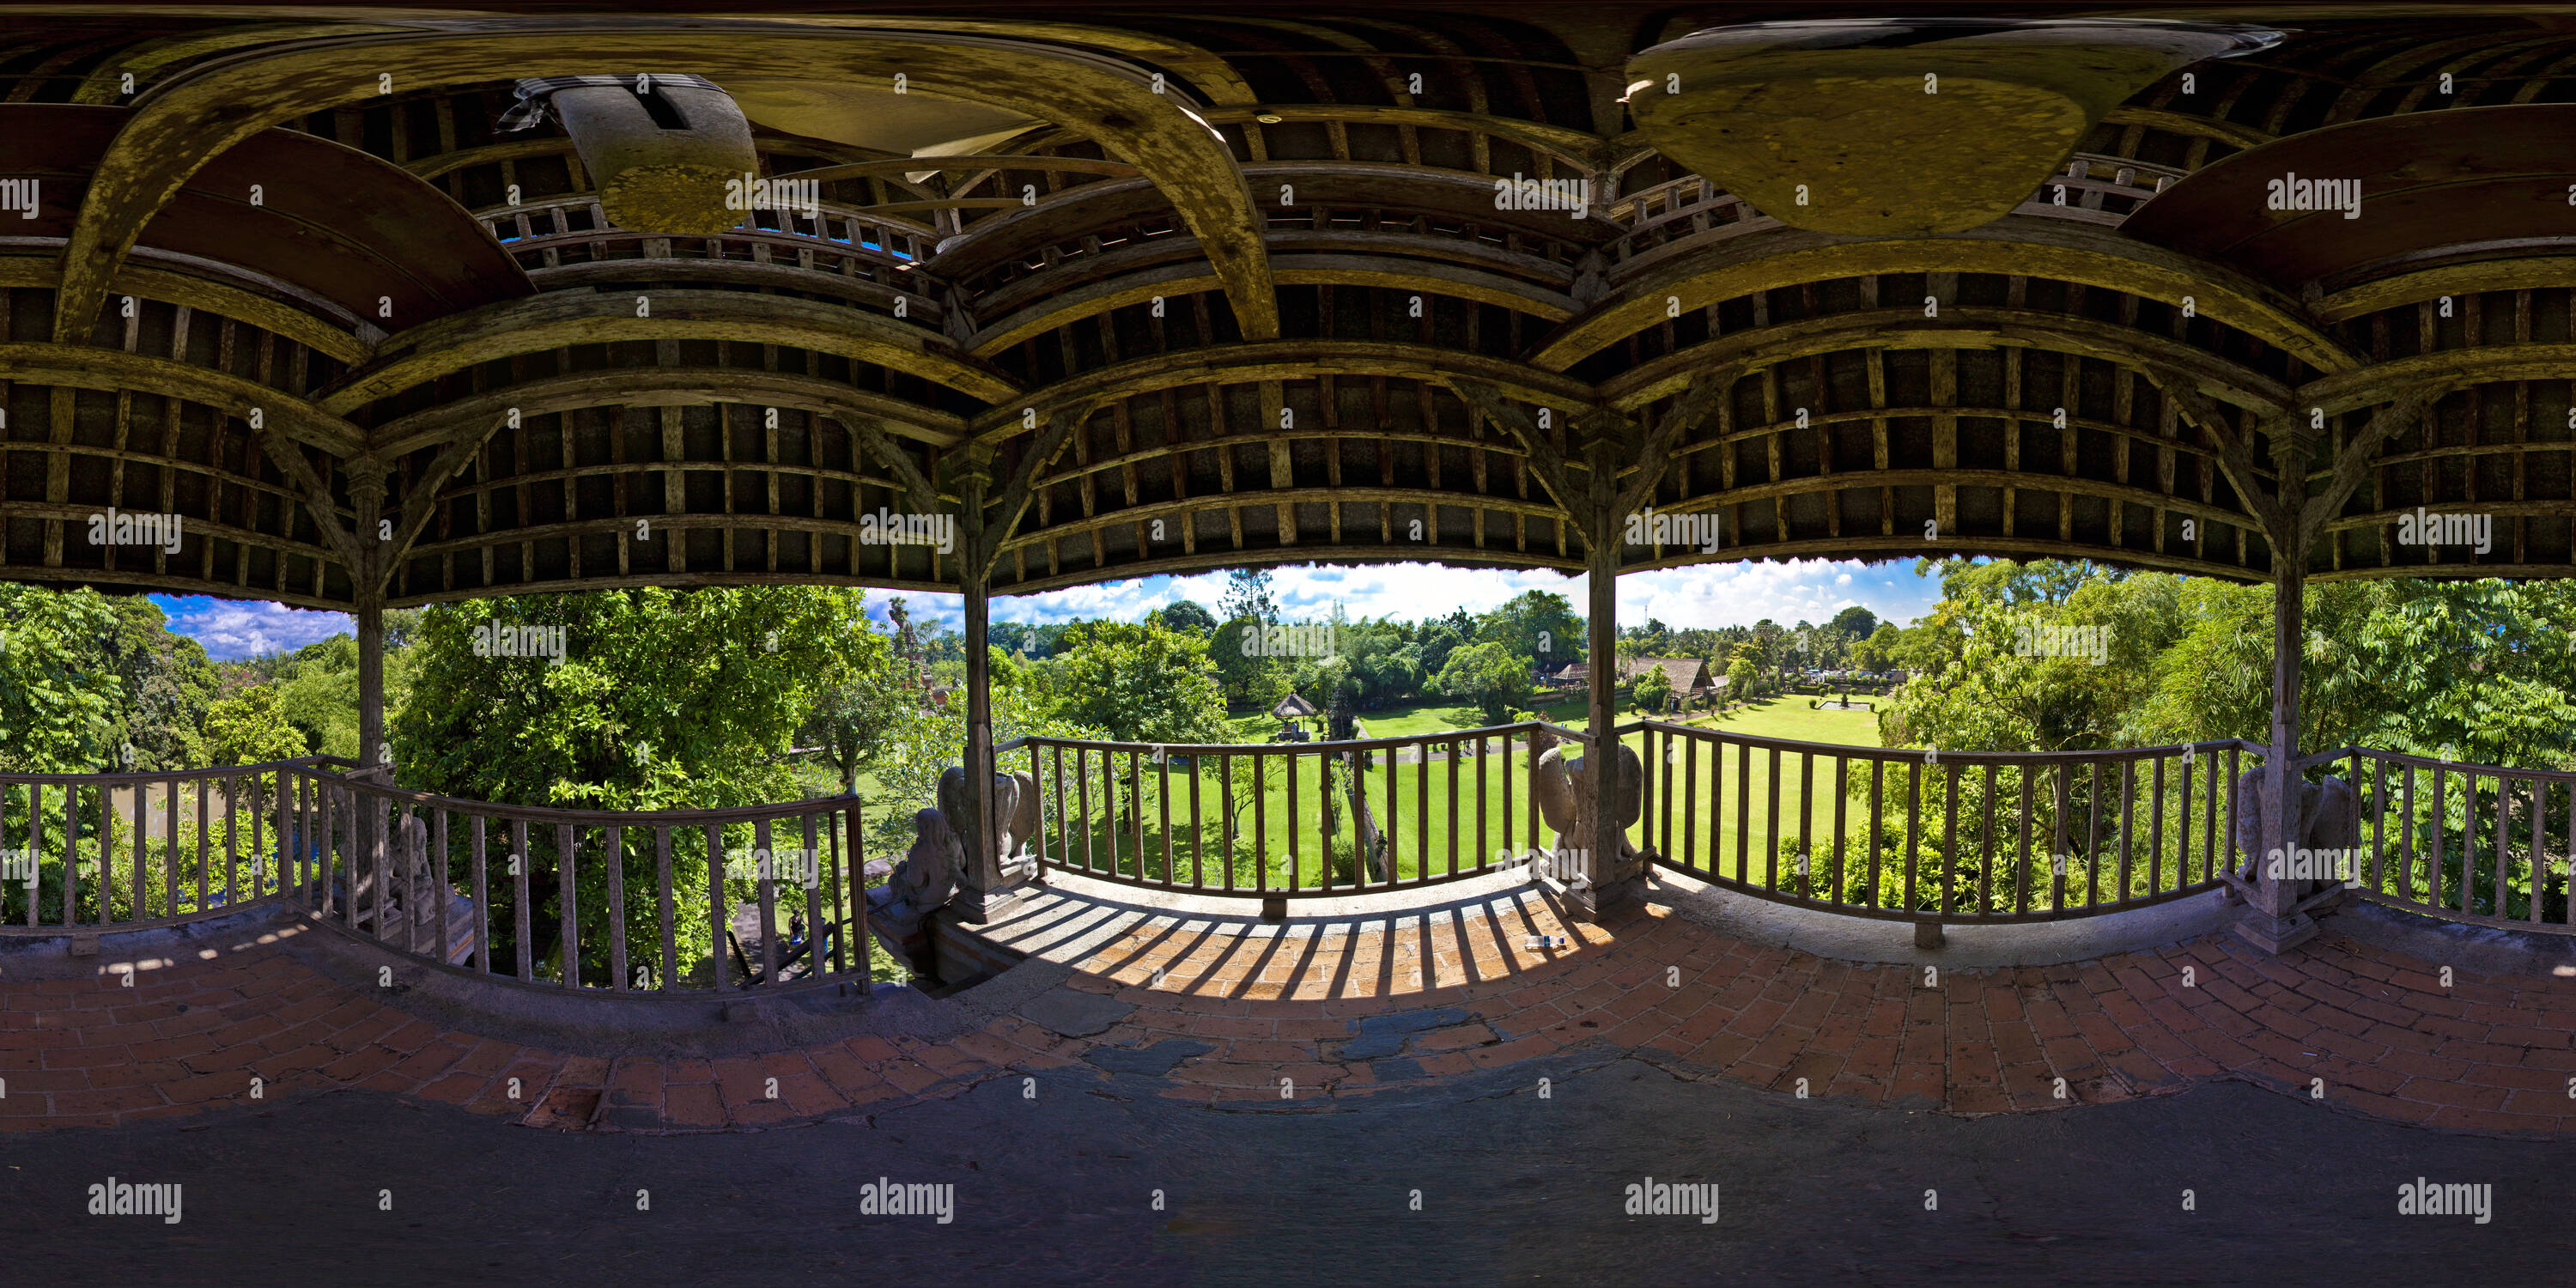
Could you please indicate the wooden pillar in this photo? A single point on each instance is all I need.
(1610, 875)
(986, 886)
(371, 678)
(2273, 920)
(367, 575)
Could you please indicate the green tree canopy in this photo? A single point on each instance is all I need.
(60, 700)
(1488, 675)
(1653, 691)
(853, 714)
(250, 728)
(1141, 683)
(1853, 623)
(665, 699)
(1188, 617)
(1535, 624)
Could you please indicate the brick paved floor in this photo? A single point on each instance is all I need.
(1302, 1023)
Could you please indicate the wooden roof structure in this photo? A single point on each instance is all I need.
(1294, 707)
(1240, 291)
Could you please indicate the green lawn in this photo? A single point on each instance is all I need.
(1410, 719)
(1790, 718)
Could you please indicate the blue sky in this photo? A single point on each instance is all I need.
(1719, 594)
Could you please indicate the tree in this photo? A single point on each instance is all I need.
(1744, 678)
(1534, 624)
(1187, 617)
(59, 702)
(1653, 691)
(1141, 683)
(1877, 651)
(1247, 594)
(2008, 670)
(168, 681)
(2468, 670)
(1489, 676)
(851, 717)
(1853, 623)
(250, 728)
(664, 699)
(1442, 640)
(1239, 668)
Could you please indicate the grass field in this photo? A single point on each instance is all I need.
(1411, 719)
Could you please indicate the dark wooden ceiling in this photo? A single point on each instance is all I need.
(1260, 341)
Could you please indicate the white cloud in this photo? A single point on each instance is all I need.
(1723, 594)
(235, 629)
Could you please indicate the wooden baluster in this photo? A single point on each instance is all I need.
(1198, 829)
(810, 874)
(1082, 793)
(1454, 829)
(520, 861)
(716, 916)
(1292, 826)
(667, 918)
(568, 897)
(1986, 848)
(617, 908)
(765, 873)
(2128, 818)
(1913, 829)
(482, 901)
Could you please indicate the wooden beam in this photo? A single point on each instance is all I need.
(1741, 266)
(433, 349)
(109, 370)
(667, 387)
(1251, 363)
(2171, 361)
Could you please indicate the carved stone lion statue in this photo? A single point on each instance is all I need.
(928, 875)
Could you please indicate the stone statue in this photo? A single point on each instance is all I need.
(415, 886)
(2326, 817)
(1563, 790)
(927, 877)
(1015, 816)
(923, 881)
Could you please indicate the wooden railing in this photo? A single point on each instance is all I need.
(2098, 189)
(605, 900)
(1681, 210)
(1943, 836)
(702, 900)
(2461, 841)
(1290, 819)
(130, 851)
(566, 232)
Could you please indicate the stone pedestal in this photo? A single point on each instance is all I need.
(1018, 885)
(2275, 934)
